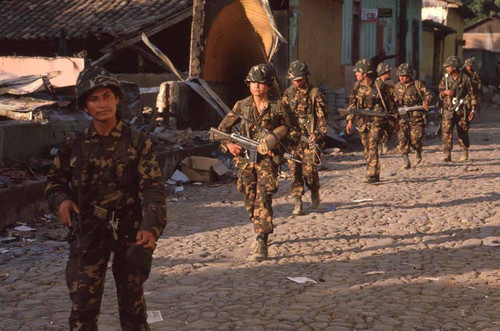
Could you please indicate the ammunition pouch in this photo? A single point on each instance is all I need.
(127, 220)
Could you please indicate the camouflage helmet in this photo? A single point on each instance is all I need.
(298, 70)
(93, 77)
(452, 61)
(364, 66)
(260, 73)
(405, 69)
(470, 61)
(382, 68)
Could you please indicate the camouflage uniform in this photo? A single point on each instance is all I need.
(308, 115)
(257, 181)
(475, 80)
(370, 127)
(383, 68)
(119, 179)
(463, 89)
(412, 127)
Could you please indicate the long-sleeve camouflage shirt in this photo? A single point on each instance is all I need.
(119, 172)
(274, 116)
(367, 97)
(308, 112)
(412, 94)
(463, 89)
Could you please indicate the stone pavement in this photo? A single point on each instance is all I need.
(420, 256)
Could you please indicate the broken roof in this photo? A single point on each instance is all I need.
(43, 19)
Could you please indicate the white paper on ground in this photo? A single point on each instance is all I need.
(24, 228)
(179, 177)
(301, 280)
(154, 316)
(362, 200)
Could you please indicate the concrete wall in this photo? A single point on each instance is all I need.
(426, 70)
(320, 40)
(455, 21)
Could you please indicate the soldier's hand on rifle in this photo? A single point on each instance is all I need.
(448, 93)
(426, 106)
(146, 240)
(65, 209)
(348, 127)
(234, 148)
(471, 115)
(312, 138)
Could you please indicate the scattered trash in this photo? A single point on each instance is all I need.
(3, 251)
(7, 240)
(375, 273)
(23, 228)
(362, 200)
(154, 316)
(170, 182)
(178, 189)
(301, 280)
(179, 177)
(28, 240)
(432, 278)
(488, 184)
(173, 199)
(197, 183)
(53, 151)
(203, 169)
(332, 208)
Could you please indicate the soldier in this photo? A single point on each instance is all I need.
(109, 176)
(459, 104)
(407, 93)
(257, 181)
(384, 74)
(374, 95)
(307, 109)
(475, 80)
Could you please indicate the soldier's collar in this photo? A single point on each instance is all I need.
(90, 131)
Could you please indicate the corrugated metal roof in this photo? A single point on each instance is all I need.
(43, 19)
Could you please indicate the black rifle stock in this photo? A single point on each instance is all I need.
(248, 144)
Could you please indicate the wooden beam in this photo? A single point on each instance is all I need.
(118, 45)
(149, 56)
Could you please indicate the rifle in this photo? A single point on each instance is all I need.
(364, 112)
(74, 230)
(314, 147)
(252, 147)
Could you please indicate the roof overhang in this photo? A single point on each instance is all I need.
(435, 27)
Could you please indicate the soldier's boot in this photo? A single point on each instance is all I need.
(297, 210)
(260, 249)
(315, 199)
(418, 156)
(384, 149)
(406, 162)
(447, 155)
(371, 179)
(465, 155)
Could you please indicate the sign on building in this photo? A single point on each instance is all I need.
(369, 14)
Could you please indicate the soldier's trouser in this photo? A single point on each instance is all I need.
(457, 119)
(306, 172)
(258, 182)
(85, 275)
(370, 138)
(410, 133)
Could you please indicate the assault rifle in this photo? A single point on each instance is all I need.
(252, 147)
(364, 112)
(403, 111)
(74, 231)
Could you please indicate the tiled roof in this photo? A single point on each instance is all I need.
(43, 19)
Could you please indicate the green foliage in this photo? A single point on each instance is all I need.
(482, 9)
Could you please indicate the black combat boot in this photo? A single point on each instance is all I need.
(260, 248)
(314, 199)
(447, 155)
(298, 207)
(418, 156)
(406, 162)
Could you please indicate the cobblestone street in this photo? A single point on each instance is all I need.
(420, 256)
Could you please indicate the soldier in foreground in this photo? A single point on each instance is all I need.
(373, 95)
(106, 185)
(407, 93)
(384, 74)
(307, 109)
(258, 181)
(459, 104)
